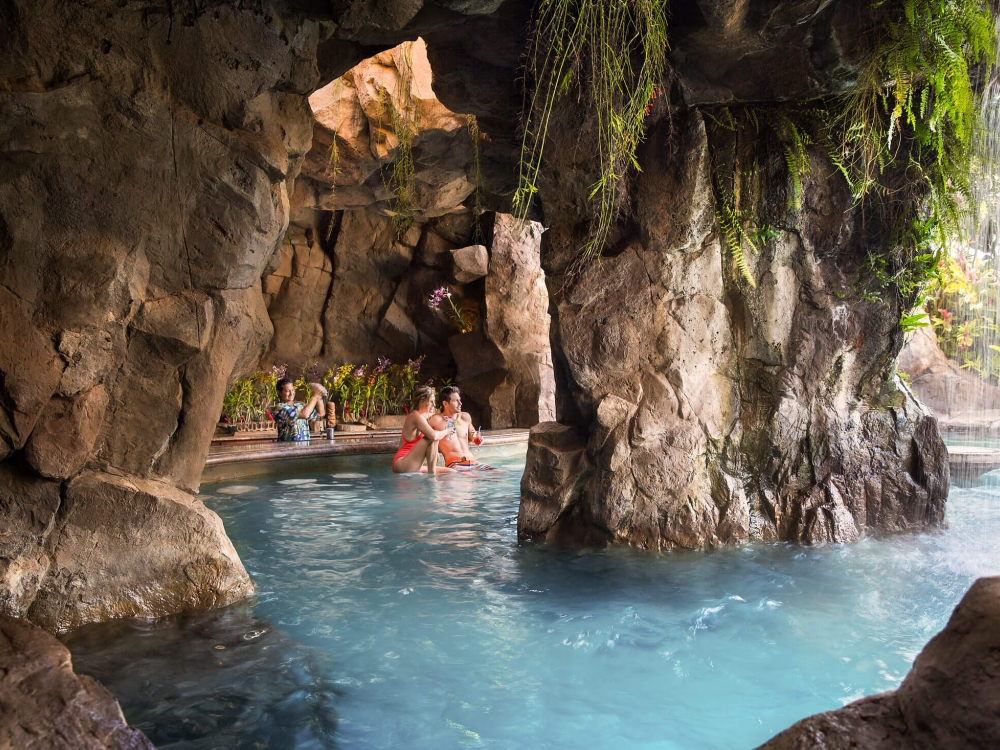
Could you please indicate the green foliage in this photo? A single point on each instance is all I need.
(477, 209)
(399, 184)
(903, 140)
(962, 302)
(358, 393)
(913, 113)
(592, 46)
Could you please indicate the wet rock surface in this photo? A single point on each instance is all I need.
(950, 700)
(962, 401)
(45, 704)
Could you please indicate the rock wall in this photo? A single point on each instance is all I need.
(948, 701)
(698, 411)
(147, 161)
(346, 288)
(507, 365)
(961, 400)
(43, 704)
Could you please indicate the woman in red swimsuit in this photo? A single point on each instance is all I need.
(418, 444)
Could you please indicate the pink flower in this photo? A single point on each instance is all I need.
(360, 372)
(438, 296)
(383, 365)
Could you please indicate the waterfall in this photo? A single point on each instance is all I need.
(965, 305)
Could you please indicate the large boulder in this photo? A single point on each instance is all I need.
(950, 700)
(739, 413)
(45, 705)
(507, 367)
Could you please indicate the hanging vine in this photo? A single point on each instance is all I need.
(913, 113)
(475, 135)
(614, 54)
(399, 183)
(902, 139)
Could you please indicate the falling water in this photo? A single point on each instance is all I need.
(967, 320)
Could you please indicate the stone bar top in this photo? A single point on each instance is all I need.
(231, 461)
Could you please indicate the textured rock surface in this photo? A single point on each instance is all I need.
(717, 413)
(44, 705)
(507, 367)
(148, 156)
(950, 700)
(957, 396)
(146, 171)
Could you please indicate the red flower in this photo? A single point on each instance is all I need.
(267, 413)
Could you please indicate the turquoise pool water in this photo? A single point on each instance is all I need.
(400, 612)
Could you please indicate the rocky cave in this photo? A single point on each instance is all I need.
(195, 190)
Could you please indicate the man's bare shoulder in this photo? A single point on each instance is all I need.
(465, 417)
(436, 420)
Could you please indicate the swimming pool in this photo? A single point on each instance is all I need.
(400, 611)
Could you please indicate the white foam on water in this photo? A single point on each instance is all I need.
(349, 475)
(295, 482)
(236, 489)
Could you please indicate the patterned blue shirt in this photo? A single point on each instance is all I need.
(290, 426)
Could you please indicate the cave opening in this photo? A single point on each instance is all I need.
(389, 206)
(728, 506)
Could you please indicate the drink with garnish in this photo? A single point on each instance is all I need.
(477, 439)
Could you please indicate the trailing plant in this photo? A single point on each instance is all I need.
(745, 210)
(399, 184)
(477, 208)
(902, 139)
(904, 135)
(613, 55)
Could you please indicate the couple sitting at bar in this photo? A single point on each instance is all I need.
(425, 432)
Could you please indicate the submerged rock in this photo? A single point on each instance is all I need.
(950, 700)
(44, 704)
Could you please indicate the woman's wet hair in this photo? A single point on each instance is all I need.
(282, 383)
(421, 394)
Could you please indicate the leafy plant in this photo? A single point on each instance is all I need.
(399, 184)
(477, 209)
(913, 113)
(614, 53)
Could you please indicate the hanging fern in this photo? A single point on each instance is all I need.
(399, 185)
(592, 45)
(915, 109)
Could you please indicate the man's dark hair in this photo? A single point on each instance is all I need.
(282, 383)
(448, 391)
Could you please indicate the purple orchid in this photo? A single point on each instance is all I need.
(438, 296)
(383, 365)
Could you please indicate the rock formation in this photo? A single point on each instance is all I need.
(507, 366)
(43, 704)
(347, 288)
(960, 399)
(696, 410)
(150, 155)
(950, 700)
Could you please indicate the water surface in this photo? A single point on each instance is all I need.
(400, 612)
